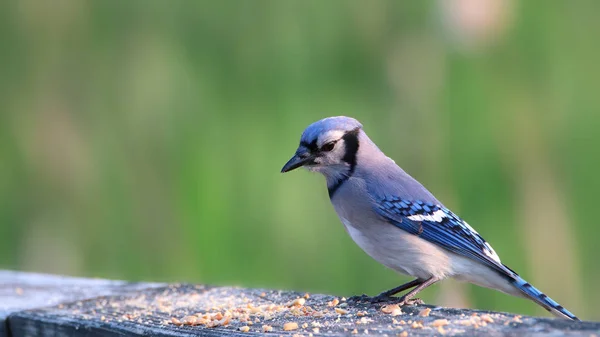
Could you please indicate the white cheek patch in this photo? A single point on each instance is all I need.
(436, 216)
(329, 136)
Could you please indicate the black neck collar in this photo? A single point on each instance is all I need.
(351, 146)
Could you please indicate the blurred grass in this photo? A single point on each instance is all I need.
(142, 140)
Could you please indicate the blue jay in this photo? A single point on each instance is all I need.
(397, 221)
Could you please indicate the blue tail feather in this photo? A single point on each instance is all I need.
(540, 298)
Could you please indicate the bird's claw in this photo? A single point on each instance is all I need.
(359, 298)
(412, 301)
(368, 299)
(381, 298)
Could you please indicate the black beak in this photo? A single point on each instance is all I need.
(298, 160)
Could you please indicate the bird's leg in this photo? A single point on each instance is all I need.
(407, 299)
(405, 286)
(385, 296)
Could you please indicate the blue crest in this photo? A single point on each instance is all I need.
(343, 123)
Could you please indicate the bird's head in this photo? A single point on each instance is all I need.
(328, 146)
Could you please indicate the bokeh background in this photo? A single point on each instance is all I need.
(142, 140)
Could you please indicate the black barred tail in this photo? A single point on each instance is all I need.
(540, 298)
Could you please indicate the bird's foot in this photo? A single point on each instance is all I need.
(368, 299)
(410, 301)
(359, 298)
(383, 298)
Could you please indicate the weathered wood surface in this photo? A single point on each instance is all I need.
(192, 310)
(21, 291)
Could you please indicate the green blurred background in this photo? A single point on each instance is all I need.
(142, 140)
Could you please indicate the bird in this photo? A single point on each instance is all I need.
(397, 221)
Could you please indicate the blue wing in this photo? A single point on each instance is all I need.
(440, 226)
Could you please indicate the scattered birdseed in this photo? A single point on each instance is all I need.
(425, 312)
(440, 322)
(216, 308)
(387, 309)
(341, 311)
(290, 326)
(393, 310)
(189, 320)
(417, 325)
(487, 318)
(364, 320)
(297, 302)
(465, 322)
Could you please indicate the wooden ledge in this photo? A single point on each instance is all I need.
(48, 305)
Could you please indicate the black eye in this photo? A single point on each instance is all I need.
(328, 147)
